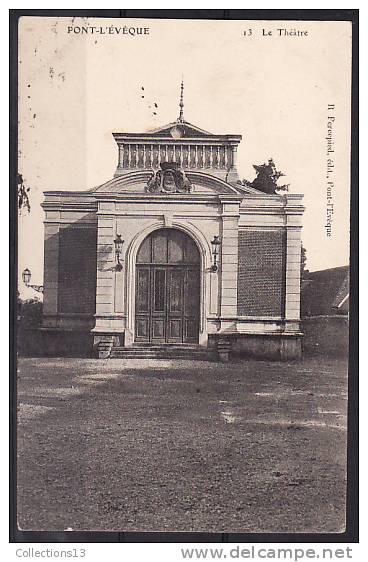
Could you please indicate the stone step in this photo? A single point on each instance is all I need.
(122, 355)
(148, 349)
(160, 352)
(191, 346)
(186, 351)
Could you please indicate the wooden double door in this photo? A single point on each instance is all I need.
(167, 289)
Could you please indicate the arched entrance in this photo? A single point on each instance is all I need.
(167, 288)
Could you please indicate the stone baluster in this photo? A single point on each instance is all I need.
(150, 156)
(218, 157)
(234, 150)
(129, 156)
(196, 156)
(226, 159)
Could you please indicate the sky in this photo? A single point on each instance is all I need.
(76, 89)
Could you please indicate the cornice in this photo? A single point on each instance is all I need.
(137, 138)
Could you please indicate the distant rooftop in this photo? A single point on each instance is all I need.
(326, 292)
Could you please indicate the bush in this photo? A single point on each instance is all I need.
(29, 313)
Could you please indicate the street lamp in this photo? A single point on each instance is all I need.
(215, 252)
(26, 276)
(118, 251)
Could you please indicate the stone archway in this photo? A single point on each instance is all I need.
(167, 288)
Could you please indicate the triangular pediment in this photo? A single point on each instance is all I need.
(182, 128)
(176, 131)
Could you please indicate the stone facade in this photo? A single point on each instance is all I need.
(249, 305)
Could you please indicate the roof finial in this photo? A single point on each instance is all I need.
(181, 104)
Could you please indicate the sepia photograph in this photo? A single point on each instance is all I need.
(183, 248)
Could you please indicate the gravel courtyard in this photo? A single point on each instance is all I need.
(138, 445)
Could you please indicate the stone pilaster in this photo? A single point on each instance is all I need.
(292, 274)
(121, 156)
(107, 321)
(232, 175)
(51, 270)
(229, 263)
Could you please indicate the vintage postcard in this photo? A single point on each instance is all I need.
(183, 266)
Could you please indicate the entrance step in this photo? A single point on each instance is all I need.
(167, 344)
(164, 351)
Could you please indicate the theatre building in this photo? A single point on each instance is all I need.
(174, 256)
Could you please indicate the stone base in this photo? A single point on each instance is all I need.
(62, 343)
(104, 342)
(278, 347)
(260, 346)
(223, 349)
(232, 176)
(43, 342)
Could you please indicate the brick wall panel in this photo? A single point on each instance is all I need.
(77, 270)
(261, 273)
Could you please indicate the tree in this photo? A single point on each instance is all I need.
(266, 178)
(23, 199)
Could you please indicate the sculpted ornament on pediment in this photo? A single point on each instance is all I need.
(169, 178)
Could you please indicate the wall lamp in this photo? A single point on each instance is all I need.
(26, 276)
(118, 251)
(215, 243)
